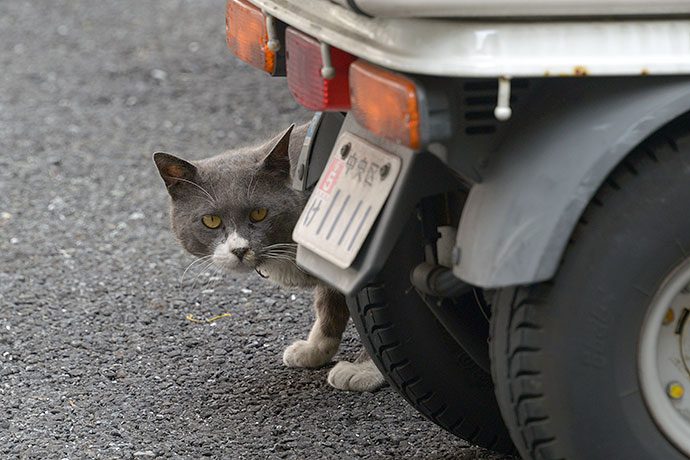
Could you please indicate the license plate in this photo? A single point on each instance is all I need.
(347, 200)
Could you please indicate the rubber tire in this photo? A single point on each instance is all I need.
(418, 357)
(564, 353)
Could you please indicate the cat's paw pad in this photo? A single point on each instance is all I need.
(305, 354)
(362, 376)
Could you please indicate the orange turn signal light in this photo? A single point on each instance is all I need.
(247, 35)
(385, 103)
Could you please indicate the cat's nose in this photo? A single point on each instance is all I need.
(240, 252)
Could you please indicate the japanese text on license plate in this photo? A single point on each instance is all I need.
(349, 196)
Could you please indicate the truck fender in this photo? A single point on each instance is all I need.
(561, 146)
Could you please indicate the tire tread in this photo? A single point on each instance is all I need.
(389, 354)
(535, 437)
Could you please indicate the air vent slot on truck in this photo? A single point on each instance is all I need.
(478, 103)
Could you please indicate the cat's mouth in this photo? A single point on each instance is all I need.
(261, 274)
(236, 260)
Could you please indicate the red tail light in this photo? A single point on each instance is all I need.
(305, 81)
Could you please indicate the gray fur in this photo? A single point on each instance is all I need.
(231, 185)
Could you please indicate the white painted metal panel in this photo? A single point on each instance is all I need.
(483, 48)
(519, 8)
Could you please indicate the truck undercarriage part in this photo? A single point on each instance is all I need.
(438, 281)
(417, 355)
(466, 324)
(449, 299)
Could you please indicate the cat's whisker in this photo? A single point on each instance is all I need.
(210, 273)
(281, 252)
(213, 201)
(213, 278)
(279, 257)
(291, 256)
(200, 259)
(213, 192)
(251, 187)
(201, 273)
(282, 256)
(193, 282)
(270, 248)
(192, 286)
(280, 249)
(288, 259)
(280, 215)
(281, 245)
(217, 276)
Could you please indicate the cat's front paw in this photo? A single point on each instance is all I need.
(307, 354)
(362, 376)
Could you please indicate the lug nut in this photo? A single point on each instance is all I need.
(675, 390)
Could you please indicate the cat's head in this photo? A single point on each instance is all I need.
(237, 208)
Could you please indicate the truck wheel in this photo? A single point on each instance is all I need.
(418, 357)
(593, 364)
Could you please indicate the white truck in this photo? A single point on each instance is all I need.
(508, 183)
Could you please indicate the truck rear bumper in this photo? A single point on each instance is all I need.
(484, 48)
(517, 8)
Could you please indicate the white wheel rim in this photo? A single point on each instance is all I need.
(664, 358)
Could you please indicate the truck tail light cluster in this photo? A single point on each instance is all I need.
(384, 102)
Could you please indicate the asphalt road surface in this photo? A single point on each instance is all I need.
(97, 357)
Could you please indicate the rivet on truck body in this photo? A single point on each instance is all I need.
(345, 150)
(385, 169)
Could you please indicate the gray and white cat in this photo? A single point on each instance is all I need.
(238, 210)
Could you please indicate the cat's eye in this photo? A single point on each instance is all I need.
(211, 221)
(258, 214)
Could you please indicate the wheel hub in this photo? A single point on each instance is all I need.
(664, 357)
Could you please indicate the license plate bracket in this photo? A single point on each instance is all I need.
(348, 198)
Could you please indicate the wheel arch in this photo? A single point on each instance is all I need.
(516, 223)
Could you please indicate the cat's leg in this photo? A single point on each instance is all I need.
(362, 375)
(325, 335)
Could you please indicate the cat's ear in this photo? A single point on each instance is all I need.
(278, 159)
(176, 172)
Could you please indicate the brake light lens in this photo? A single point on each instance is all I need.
(310, 88)
(385, 103)
(245, 28)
